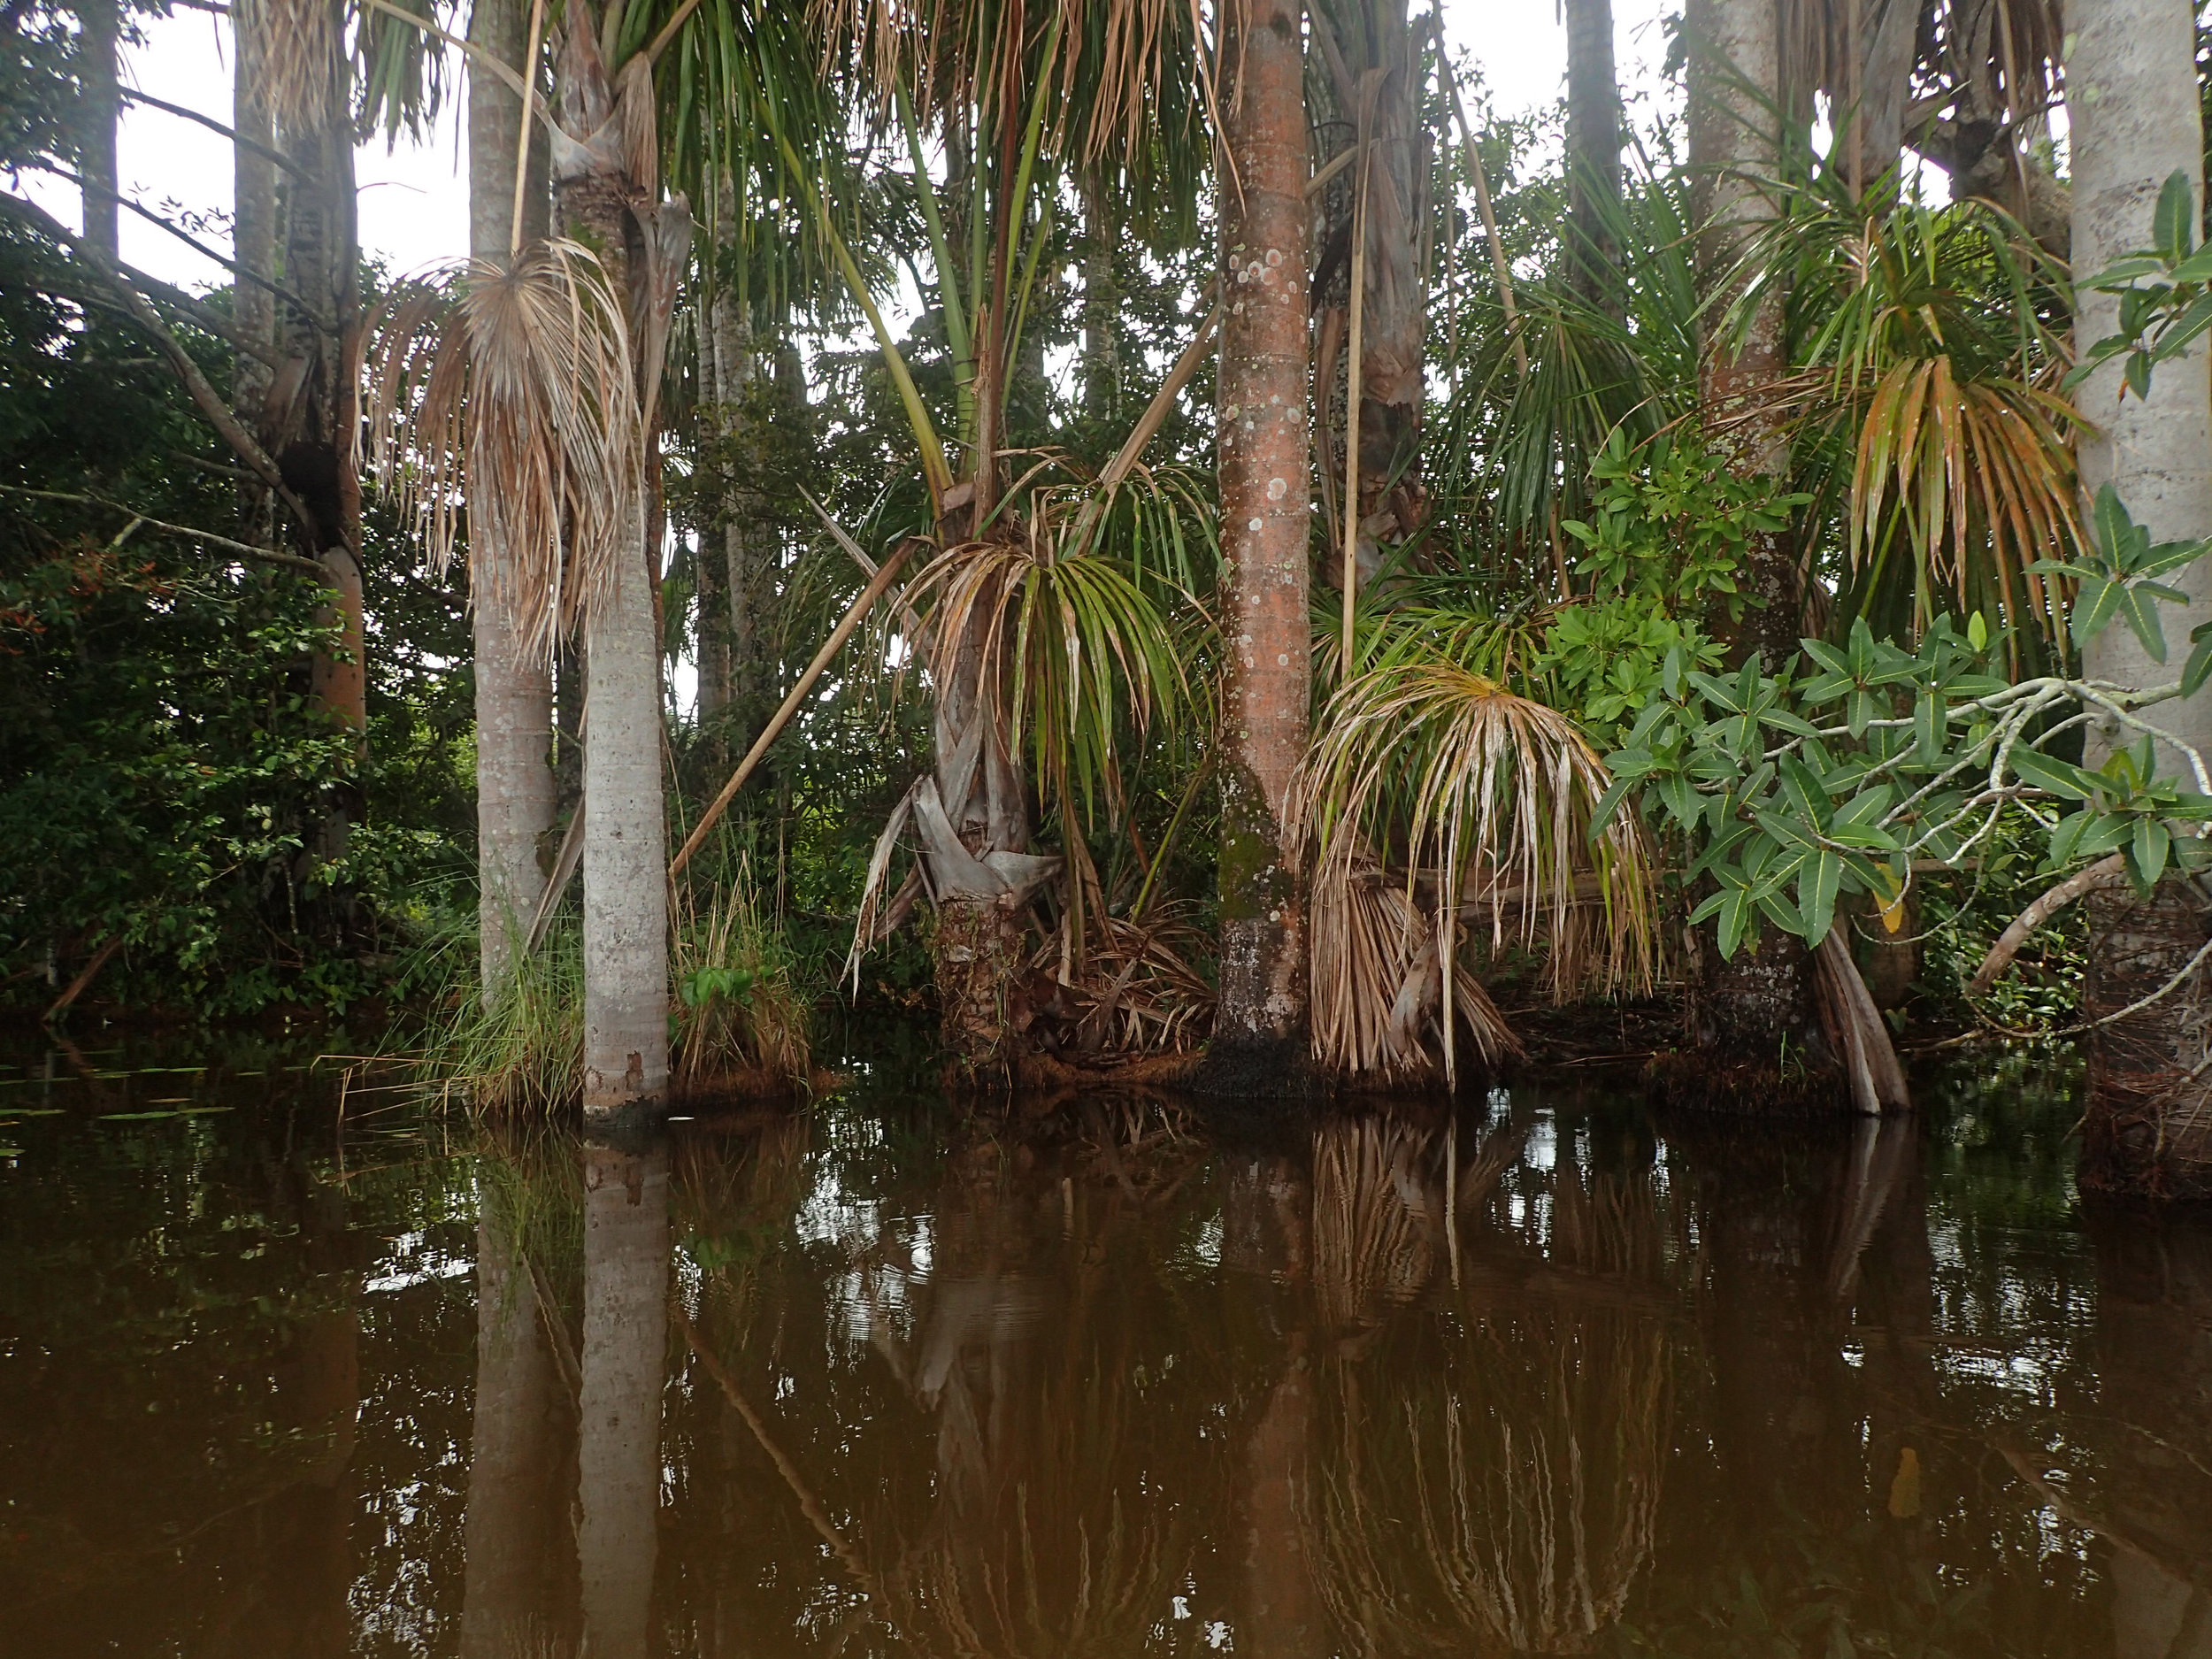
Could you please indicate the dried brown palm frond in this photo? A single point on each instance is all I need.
(1126, 69)
(508, 392)
(302, 60)
(1484, 801)
(1378, 984)
(1138, 992)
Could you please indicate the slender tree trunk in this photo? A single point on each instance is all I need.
(96, 22)
(513, 1504)
(625, 1351)
(626, 843)
(2131, 99)
(310, 429)
(1593, 152)
(1265, 482)
(745, 400)
(514, 693)
(1760, 1005)
(254, 212)
(1100, 373)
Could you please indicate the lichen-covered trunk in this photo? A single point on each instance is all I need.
(618, 1407)
(2132, 98)
(625, 849)
(1100, 363)
(1259, 1038)
(1593, 153)
(514, 690)
(1758, 1007)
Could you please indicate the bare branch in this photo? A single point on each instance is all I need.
(209, 400)
(243, 550)
(2106, 872)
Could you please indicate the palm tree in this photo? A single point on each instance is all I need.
(514, 690)
(1265, 465)
(1039, 634)
(2147, 1128)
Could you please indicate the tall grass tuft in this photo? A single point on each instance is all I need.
(744, 1010)
(521, 1053)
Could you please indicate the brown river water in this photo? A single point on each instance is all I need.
(285, 1375)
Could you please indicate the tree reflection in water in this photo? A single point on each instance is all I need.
(889, 1377)
(1492, 1463)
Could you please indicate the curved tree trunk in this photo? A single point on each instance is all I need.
(1260, 1030)
(2131, 99)
(514, 694)
(1758, 1007)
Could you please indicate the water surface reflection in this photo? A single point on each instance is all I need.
(1542, 1376)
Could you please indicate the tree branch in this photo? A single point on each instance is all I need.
(210, 401)
(2106, 872)
(244, 549)
(217, 127)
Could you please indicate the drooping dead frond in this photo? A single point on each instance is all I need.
(1487, 799)
(1124, 68)
(508, 392)
(1378, 984)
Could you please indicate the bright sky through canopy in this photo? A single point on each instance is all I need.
(414, 200)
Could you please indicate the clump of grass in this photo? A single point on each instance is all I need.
(743, 1011)
(520, 1052)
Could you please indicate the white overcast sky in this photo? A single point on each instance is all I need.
(414, 200)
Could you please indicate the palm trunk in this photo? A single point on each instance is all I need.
(1379, 69)
(96, 22)
(625, 1349)
(1593, 152)
(512, 1502)
(626, 845)
(254, 208)
(514, 694)
(311, 435)
(2132, 102)
(1101, 372)
(1265, 482)
(1760, 1006)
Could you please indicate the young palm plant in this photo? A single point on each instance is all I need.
(1039, 636)
(1435, 801)
(1927, 392)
